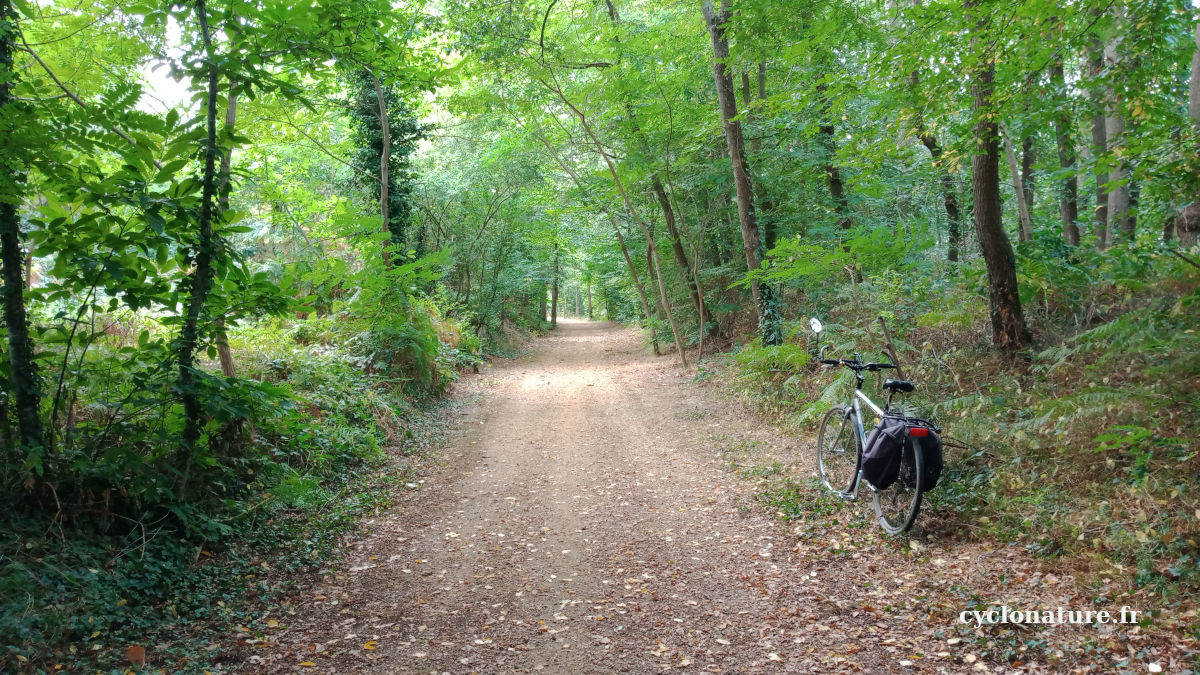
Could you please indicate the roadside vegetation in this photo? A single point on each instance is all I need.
(243, 247)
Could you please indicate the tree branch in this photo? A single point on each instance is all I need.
(71, 95)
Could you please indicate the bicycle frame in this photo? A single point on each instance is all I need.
(861, 433)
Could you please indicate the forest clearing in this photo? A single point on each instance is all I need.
(498, 335)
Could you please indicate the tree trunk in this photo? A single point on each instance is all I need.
(1099, 146)
(833, 174)
(591, 315)
(767, 221)
(1187, 225)
(1008, 323)
(1068, 203)
(207, 247)
(1028, 158)
(1026, 230)
(769, 320)
(637, 218)
(949, 196)
(24, 378)
(385, 161)
(637, 282)
(224, 354)
(677, 246)
(554, 291)
(700, 288)
(1119, 219)
(653, 272)
(949, 191)
(23, 369)
(656, 185)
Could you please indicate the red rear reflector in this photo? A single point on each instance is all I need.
(919, 432)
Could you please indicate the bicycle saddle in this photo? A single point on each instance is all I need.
(899, 385)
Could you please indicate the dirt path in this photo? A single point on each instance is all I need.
(584, 521)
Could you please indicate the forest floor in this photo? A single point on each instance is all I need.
(588, 515)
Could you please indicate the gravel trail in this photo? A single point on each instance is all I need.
(583, 519)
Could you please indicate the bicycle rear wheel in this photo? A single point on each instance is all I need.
(837, 450)
(897, 507)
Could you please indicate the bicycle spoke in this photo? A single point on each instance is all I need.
(897, 506)
(837, 451)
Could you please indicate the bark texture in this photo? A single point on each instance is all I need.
(224, 354)
(1187, 225)
(1099, 146)
(202, 274)
(1008, 323)
(385, 156)
(23, 381)
(1028, 178)
(768, 305)
(949, 190)
(1025, 233)
(1119, 219)
(1068, 202)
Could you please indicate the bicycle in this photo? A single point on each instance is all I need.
(843, 437)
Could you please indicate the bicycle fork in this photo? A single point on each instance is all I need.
(861, 436)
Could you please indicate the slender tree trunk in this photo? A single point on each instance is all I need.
(1028, 158)
(1187, 225)
(1026, 230)
(768, 305)
(677, 246)
(637, 218)
(1008, 323)
(224, 354)
(1119, 219)
(949, 190)
(949, 196)
(700, 288)
(385, 161)
(657, 186)
(1099, 146)
(207, 247)
(766, 212)
(833, 173)
(1068, 203)
(612, 219)
(591, 315)
(26, 393)
(833, 176)
(652, 271)
(23, 374)
(554, 291)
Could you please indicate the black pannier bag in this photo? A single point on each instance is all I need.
(888, 442)
(931, 451)
(885, 447)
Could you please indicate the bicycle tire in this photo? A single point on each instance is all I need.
(838, 450)
(897, 507)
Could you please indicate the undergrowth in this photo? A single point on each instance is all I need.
(123, 561)
(1083, 449)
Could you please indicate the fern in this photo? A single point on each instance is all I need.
(959, 403)
(1082, 406)
(837, 391)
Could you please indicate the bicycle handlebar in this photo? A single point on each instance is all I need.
(858, 365)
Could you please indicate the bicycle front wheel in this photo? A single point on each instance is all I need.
(897, 507)
(837, 450)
